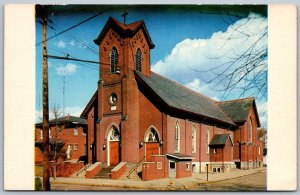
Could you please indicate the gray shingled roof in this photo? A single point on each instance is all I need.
(237, 110)
(220, 139)
(180, 97)
(67, 119)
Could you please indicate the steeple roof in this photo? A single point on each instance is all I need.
(124, 31)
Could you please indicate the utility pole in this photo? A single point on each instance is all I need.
(46, 164)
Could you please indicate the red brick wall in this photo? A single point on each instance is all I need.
(149, 116)
(130, 127)
(126, 50)
(117, 173)
(150, 170)
(181, 169)
(66, 169)
(249, 150)
(93, 170)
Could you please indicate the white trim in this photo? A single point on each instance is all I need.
(194, 139)
(149, 128)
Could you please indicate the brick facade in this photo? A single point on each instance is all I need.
(66, 133)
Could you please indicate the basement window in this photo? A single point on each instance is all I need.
(187, 166)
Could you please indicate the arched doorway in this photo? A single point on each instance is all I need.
(113, 145)
(151, 143)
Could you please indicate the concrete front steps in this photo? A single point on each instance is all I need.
(105, 173)
(134, 175)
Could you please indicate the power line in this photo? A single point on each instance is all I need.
(78, 40)
(71, 27)
(76, 59)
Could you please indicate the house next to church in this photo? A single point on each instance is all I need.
(67, 134)
(144, 119)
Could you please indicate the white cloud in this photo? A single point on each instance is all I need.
(67, 70)
(74, 111)
(194, 62)
(61, 44)
(191, 58)
(72, 43)
(195, 85)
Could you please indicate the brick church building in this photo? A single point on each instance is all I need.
(137, 115)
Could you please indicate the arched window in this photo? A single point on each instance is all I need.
(250, 131)
(113, 60)
(177, 138)
(114, 134)
(138, 57)
(151, 136)
(207, 140)
(194, 139)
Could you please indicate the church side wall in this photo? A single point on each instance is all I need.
(149, 116)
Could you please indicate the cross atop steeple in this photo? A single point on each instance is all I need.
(124, 15)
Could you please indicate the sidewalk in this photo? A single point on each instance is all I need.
(160, 184)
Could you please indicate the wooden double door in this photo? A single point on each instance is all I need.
(114, 152)
(152, 148)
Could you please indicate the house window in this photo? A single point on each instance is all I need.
(194, 139)
(159, 165)
(207, 141)
(250, 131)
(41, 134)
(215, 151)
(76, 131)
(75, 146)
(177, 138)
(113, 60)
(258, 150)
(187, 166)
(138, 57)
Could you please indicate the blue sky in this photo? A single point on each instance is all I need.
(185, 40)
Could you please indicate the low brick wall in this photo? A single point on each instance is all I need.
(65, 169)
(157, 169)
(118, 171)
(182, 170)
(93, 170)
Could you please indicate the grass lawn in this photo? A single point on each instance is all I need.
(39, 170)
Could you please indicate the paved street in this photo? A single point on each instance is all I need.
(254, 182)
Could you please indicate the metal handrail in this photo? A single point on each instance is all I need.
(135, 167)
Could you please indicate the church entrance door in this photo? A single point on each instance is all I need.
(151, 149)
(113, 143)
(151, 144)
(114, 153)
